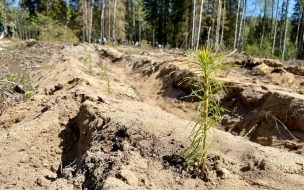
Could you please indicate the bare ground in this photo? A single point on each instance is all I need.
(89, 128)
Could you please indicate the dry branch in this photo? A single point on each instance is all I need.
(277, 120)
(7, 81)
(250, 131)
(14, 166)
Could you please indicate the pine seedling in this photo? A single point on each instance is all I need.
(30, 95)
(89, 59)
(204, 88)
(104, 69)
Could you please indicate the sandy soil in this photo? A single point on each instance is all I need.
(91, 128)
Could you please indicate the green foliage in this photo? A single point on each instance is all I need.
(205, 88)
(88, 58)
(129, 86)
(55, 9)
(291, 51)
(12, 78)
(179, 17)
(142, 14)
(144, 43)
(162, 21)
(50, 30)
(253, 49)
(112, 44)
(30, 95)
(22, 78)
(45, 66)
(104, 69)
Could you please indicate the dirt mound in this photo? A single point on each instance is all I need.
(264, 102)
(92, 128)
(266, 115)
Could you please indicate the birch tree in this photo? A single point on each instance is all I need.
(236, 24)
(90, 10)
(242, 24)
(285, 32)
(114, 21)
(199, 24)
(275, 29)
(109, 19)
(193, 23)
(297, 24)
(223, 23)
(298, 29)
(101, 19)
(196, 22)
(283, 13)
(84, 20)
(87, 20)
(263, 28)
(218, 24)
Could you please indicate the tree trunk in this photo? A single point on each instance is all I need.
(249, 28)
(193, 24)
(272, 12)
(199, 25)
(282, 25)
(223, 23)
(134, 29)
(298, 29)
(153, 43)
(139, 23)
(87, 20)
(114, 22)
(242, 23)
(102, 21)
(84, 20)
(109, 24)
(208, 37)
(218, 24)
(187, 29)
(263, 31)
(90, 7)
(301, 36)
(275, 30)
(285, 32)
(236, 24)
(139, 30)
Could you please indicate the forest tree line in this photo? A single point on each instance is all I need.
(272, 28)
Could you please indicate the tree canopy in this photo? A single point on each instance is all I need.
(271, 28)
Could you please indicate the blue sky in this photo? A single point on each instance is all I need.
(254, 8)
(251, 5)
(292, 4)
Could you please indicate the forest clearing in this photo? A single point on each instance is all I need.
(103, 117)
(151, 94)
